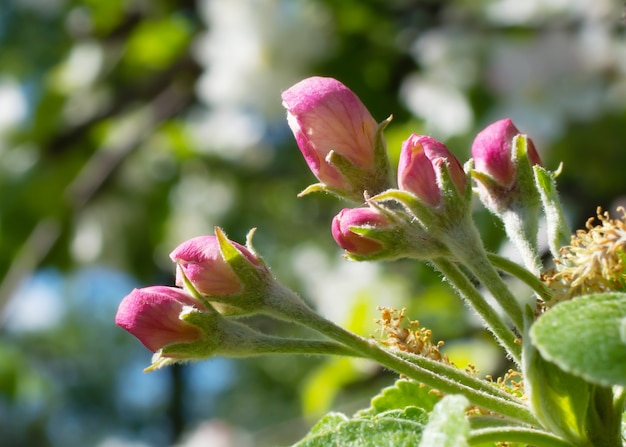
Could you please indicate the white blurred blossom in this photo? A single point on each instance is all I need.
(13, 104)
(570, 68)
(336, 286)
(527, 11)
(444, 108)
(252, 50)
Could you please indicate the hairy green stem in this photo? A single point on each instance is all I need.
(278, 345)
(457, 375)
(523, 435)
(503, 333)
(290, 307)
(530, 279)
(475, 258)
(521, 227)
(463, 240)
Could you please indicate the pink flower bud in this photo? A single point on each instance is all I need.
(152, 315)
(357, 217)
(420, 158)
(492, 151)
(201, 260)
(325, 115)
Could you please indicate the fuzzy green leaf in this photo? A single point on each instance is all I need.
(584, 337)
(395, 428)
(402, 394)
(448, 426)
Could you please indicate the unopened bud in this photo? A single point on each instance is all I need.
(421, 159)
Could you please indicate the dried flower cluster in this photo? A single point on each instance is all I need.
(593, 262)
(409, 336)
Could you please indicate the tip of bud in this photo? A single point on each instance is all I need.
(421, 158)
(347, 220)
(493, 153)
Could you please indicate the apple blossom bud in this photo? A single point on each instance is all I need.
(504, 171)
(352, 242)
(324, 116)
(420, 160)
(492, 151)
(152, 314)
(202, 262)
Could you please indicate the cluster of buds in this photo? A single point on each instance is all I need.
(344, 146)
(182, 323)
(345, 149)
(424, 214)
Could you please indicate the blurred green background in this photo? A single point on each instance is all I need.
(128, 126)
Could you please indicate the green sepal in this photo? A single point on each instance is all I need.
(315, 187)
(424, 213)
(437, 221)
(359, 182)
(230, 338)
(498, 195)
(525, 178)
(559, 233)
(399, 242)
(365, 182)
(249, 274)
(256, 280)
(453, 201)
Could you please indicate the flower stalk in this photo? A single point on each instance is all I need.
(288, 306)
(502, 332)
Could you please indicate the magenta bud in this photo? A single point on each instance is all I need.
(492, 151)
(201, 260)
(152, 314)
(420, 159)
(352, 242)
(325, 115)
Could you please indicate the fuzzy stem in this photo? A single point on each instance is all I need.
(275, 345)
(521, 273)
(290, 307)
(522, 230)
(523, 435)
(505, 336)
(457, 375)
(464, 242)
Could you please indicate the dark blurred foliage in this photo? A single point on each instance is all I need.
(113, 152)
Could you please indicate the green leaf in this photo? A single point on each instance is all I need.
(328, 423)
(448, 426)
(395, 428)
(404, 393)
(559, 398)
(584, 337)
